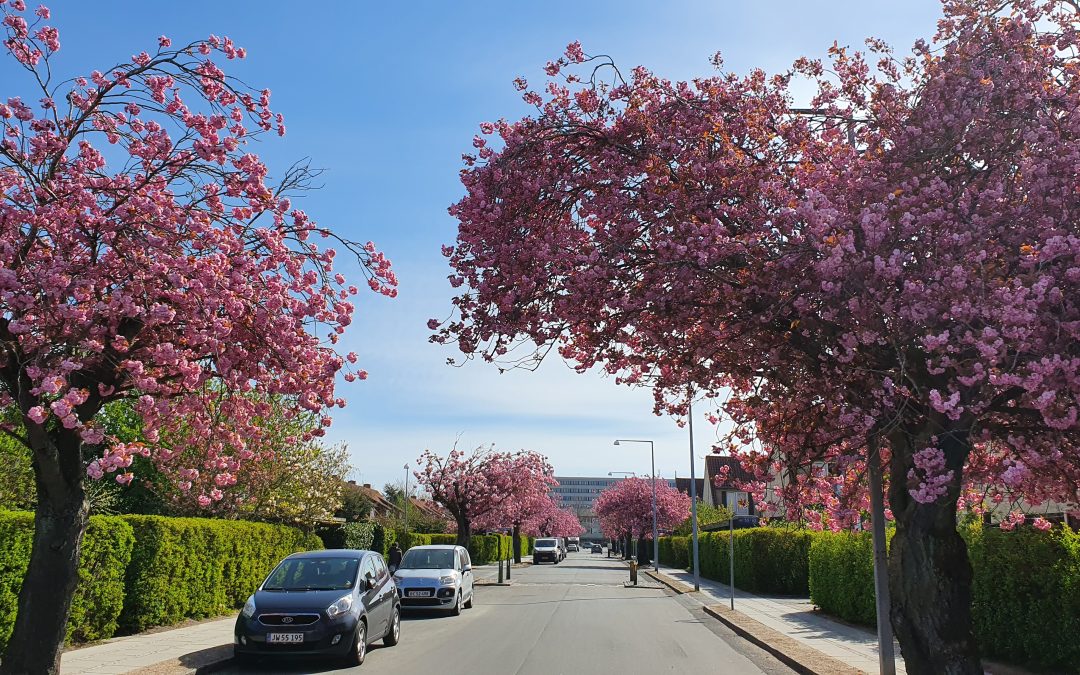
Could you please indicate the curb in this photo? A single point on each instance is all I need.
(796, 655)
(203, 661)
(802, 659)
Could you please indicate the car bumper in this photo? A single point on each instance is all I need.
(545, 557)
(444, 597)
(323, 638)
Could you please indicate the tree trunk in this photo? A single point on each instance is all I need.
(516, 538)
(628, 547)
(45, 597)
(464, 531)
(929, 572)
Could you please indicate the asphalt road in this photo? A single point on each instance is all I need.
(575, 617)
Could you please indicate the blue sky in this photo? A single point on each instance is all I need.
(385, 97)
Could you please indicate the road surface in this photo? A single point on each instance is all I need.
(575, 617)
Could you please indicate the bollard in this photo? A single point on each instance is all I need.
(500, 572)
(633, 572)
(509, 564)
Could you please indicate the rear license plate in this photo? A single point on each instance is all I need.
(419, 594)
(284, 637)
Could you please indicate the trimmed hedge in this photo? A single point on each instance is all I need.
(190, 568)
(99, 594)
(767, 559)
(842, 575)
(348, 535)
(675, 551)
(489, 548)
(1025, 590)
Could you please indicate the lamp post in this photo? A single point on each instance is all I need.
(406, 503)
(655, 540)
(693, 494)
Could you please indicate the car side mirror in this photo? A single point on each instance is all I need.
(466, 568)
(369, 583)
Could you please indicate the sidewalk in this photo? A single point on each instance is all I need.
(796, 618)
(135, 652)
(177, 647)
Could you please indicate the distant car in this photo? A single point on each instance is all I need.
(321, 603)
(547, 550)
(572, 547)
(597, 548)
(562, 547)
(438, 577)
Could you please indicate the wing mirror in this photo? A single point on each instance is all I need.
(466, 568)
(369, 583)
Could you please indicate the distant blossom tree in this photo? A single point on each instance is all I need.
(485, 487)
(626, 508)
(532, 479)
(892, 271)
(549, 520)
(146, 255)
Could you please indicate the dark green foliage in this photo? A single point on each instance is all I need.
(767, 560)
(348, 535)
(675, 551)
(190, 568)
(842, 575)
(1026, 596)
(442, 538)
(706, 515)
(99, 595)
(1025, 590)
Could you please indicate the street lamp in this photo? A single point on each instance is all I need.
(406, 467)
(655, 539)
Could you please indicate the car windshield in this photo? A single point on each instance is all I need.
(545, 543)
(313, 574)
(428, 559)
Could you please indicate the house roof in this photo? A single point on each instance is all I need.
(683, 486)
(736, 474)
(428, 507)
(381, 503)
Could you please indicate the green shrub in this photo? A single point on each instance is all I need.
(190, 568)
(99, 594)
(443, 539)
(348, 535)
(842, 575)
(767, 560)
(1026, 596)
(489, 548)
(675, 551)
(382, 539)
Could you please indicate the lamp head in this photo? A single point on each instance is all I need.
(616, 442)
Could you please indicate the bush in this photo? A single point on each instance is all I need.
(444, 539)
(1025, 590)
(1026, 595)
(190, 568)
(99, 594)
(489, 548)
(675, 551)
(842, 575)
(348, 535)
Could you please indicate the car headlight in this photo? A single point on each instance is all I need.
(397, 579)
(448, 579)
(249, 608)
(342, 605)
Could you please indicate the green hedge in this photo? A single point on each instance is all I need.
(767, 559)
(190, 568)
(348, 535)
(1025, 590)
(842, 575)
(675, 551)
(489, 548)
(99, 595)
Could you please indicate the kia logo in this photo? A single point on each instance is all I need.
(286, 619)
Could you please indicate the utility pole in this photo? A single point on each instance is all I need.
(693, 494)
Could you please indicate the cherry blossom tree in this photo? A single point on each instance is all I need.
(531, 480)
(486, 487)
(146, 254)
(891, 271)
(551, 521)
(626, 508)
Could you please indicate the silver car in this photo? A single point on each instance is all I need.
(438, 577)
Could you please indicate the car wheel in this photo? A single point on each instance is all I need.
(359, 648)
(456, 611)
(468, 603)
(394, 634)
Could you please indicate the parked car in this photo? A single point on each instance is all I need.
(437, 577)
(547, 550)
(321, 603)
(573, 544)
(562, 547)
(597, 548)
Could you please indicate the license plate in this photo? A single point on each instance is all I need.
(285, 637)
(419, 594)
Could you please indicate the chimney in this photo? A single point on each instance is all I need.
(352, 482)
(367, 485)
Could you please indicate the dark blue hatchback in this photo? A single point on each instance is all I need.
(321, 603)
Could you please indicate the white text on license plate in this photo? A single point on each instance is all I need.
(284, 637)
(419, 594)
